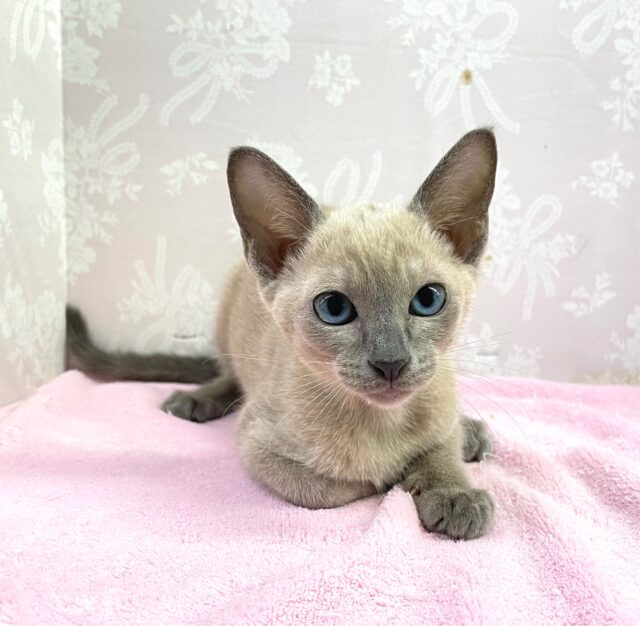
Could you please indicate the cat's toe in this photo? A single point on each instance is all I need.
(179, 404)
(477, 442)
(189, 407)
(457, 513)
(206, 410)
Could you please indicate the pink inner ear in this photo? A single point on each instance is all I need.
(275, 213)
(286, 247)
(455, 196)
(465, 238)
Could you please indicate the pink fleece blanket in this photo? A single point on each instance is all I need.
(113, 513)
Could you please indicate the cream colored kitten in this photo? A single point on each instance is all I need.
(334, 337)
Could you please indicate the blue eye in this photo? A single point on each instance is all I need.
(428, 301)
(334, 308)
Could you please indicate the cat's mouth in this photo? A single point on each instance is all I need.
(389, 396)
(383, 395)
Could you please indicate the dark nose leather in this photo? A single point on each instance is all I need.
(389, 370)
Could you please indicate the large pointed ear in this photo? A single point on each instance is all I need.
(455, 197)
(274, 213)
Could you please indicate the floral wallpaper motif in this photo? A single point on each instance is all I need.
(181, 312)
(128, 209)
(335, 75)
(194, 168)
(98, 166)
(584, 303)
(84, 20)
(615, 23)
(33, 328)
(626, 349)
(520, 247)
(221, 47)
(607, 179)
(52, 217)
(460, 55)
(19, 131)
(32, 23)
(32, 241)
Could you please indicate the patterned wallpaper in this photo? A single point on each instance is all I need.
(32, 252)
(358, 101)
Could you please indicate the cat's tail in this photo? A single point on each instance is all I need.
(84, 355)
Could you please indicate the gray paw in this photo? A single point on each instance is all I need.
(190, 407)
(457, 513)
(476, 440)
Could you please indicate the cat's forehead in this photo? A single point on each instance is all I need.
(381, 245)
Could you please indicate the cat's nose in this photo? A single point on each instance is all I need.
(389, 370)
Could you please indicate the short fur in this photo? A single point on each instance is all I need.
(317, 424)
(85, 355)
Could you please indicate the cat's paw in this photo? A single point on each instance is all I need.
(477, 442)
(189, 407)
(455, 512)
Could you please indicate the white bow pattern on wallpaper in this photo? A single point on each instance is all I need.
(459, 57)
(116, 118)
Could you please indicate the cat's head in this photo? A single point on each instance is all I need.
(370, 296)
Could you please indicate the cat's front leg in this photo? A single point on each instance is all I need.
(477, 443)
(208, 402)
(445, 500)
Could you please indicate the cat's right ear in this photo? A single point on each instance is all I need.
(274, 213)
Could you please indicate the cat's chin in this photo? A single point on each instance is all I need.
(388, 397)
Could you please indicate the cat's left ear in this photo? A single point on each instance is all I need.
(274, 213)
(456, 195)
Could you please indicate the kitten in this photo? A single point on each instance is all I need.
(336, 330)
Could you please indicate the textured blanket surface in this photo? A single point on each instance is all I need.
(112, 512)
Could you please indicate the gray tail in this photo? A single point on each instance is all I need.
(83, 354)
